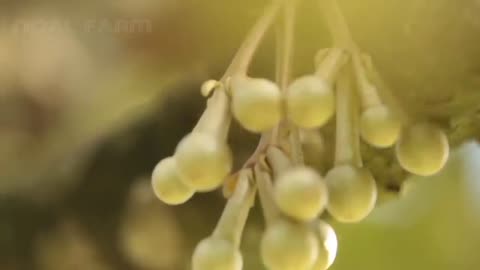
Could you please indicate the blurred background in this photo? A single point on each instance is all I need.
(94, 93)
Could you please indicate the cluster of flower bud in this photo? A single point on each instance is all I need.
(293, 195)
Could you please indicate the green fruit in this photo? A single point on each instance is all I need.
(286, 245)
(422, 149)
(216, 254)
(327, 245)
(352, 193)
(379, 126)
(310, 102)
(167, 184)
(256, 103)
(301, 193)
(203, 161)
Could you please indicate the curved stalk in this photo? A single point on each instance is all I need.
(374, 76)
(285, 50)
(366, 91)
(265, 192)
(244, 55)
(347, 139)
(286, 38)
(278, 161)
(234, 216)
(355, 111)
(216, 118)
(342, 38)
(331, 64)
(337, 24)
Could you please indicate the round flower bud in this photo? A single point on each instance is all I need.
(167, 184)
(379, 126)
(288, 246)
(203, 161)
(422, 149)
(327, 245)
(310, 102)
(301, 193)
(256, 103)
(216, 254)
(352, 193)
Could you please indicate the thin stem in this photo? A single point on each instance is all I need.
(265, 140)
(279, 55)
(287, 38)
(331, 65)
(367, 92)
(265, 192)
(355, 111)
(342, 38)
(216, 118)
(296, 145)
(278, 161)
(279, 49)
(337, 24)
(374, 76)
(279, 58)
(285, 50)
(242, 59)
(345, 146)
(234, 216)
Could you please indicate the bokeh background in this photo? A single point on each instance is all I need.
(94, 93)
